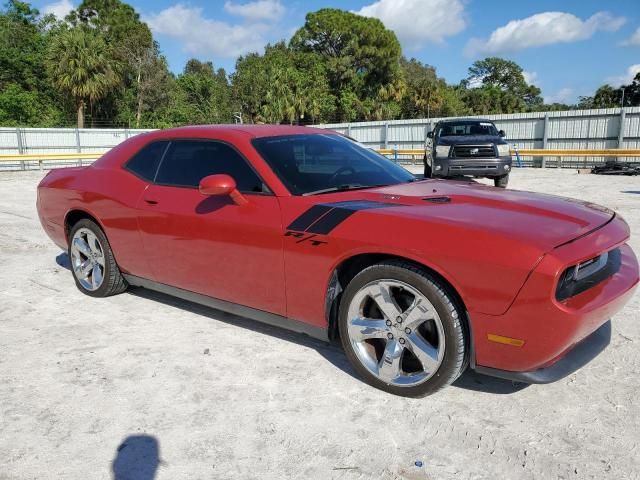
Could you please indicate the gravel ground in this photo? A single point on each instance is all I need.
(141, 384)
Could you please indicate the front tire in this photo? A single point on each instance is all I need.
(501, 181)
(402, 329)
(93, 265)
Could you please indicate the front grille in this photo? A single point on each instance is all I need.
(473, 167)
(579, 278)
(473, 151)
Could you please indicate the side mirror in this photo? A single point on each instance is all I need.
(221, 185)
(430, 134)
(502, 134)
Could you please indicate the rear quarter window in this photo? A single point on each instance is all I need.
(144, 164)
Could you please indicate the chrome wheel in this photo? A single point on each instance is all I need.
(87, 259)
(396, 332)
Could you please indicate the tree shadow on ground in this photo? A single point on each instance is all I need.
(137, 458)
(331, 351)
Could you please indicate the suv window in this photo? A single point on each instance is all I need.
(145, 163)
(466, 128)
(189, 161)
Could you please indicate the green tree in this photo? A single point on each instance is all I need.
(26, 96)
(501, 87)
(360, 54)
(80, 65)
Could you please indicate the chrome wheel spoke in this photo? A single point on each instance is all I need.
(96, 276)
(418, 312)
(84, 268)
(100, 259)
(389, 364)
(80, 245)
(94, 245)
(424, 352)
(381, 294)
(361, 329)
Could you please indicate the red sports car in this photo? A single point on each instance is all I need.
(306, 229)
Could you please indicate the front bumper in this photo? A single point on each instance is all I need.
(477, 167)
(550, 329)
(575, 359)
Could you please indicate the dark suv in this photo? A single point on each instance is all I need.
(470, 146)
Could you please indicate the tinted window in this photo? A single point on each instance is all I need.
(308, 163)
(145, 162)
(188, 162)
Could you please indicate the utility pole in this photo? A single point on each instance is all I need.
(622, 102)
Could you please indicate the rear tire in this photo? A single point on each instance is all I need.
(415, 354)
(501, 181)
(93, 265)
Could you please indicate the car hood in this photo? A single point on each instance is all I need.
(540, 220)
(470, 140)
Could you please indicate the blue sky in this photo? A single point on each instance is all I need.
(567, 48)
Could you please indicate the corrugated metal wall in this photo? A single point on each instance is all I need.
(582, 129)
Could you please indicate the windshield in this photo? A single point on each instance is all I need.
(319, 163)
(466, 128)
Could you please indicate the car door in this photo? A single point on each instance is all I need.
(208, 244)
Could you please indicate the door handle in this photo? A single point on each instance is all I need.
(151, 202)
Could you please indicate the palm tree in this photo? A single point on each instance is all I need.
(80, 64)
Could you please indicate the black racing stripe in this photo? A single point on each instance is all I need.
(331, 220)
(340, 212)
(307, 219)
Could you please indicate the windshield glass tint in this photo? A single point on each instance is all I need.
(308, 163)
(467, 128)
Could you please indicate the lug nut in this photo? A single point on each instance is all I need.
(399, 319)
(390, 336)
(407, 330)
(388, 322)
(402, 341)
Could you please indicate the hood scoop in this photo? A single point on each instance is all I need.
(440, 199)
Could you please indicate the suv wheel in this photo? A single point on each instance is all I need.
(502, 181)
(402, 330)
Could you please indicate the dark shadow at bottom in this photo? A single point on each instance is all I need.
(137, 458)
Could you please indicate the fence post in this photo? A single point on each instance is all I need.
(78, 145)
(623, 120)
(386, 134)
(23, 165)
(545, 137)
(349, 131)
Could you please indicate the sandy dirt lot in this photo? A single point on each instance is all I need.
(141, 384)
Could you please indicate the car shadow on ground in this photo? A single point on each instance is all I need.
(137, 456)
(637, 192)
(331, 351)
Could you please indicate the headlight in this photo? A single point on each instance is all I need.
(442, 150)
(504, 150)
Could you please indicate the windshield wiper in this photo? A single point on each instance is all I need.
(343, 188)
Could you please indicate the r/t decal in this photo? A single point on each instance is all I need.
(302, 237)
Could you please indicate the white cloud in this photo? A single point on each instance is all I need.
(258, 10)
(543, 29)
(416, 22)
(60, 9)
(203, 36)
(564, 95)
(530, 77)
(633, 40)
(626, 78)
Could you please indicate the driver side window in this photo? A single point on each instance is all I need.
(189, 161)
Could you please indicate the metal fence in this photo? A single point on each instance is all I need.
(575, 129)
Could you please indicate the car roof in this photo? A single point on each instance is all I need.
(251, 130)
(475, 119)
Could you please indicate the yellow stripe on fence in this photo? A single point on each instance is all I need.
(611, 152)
